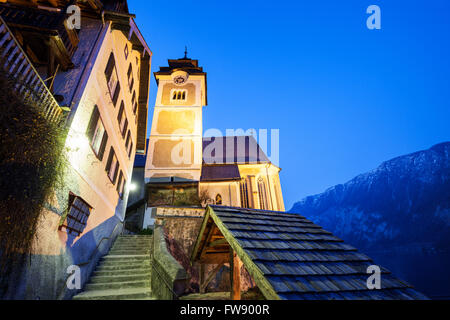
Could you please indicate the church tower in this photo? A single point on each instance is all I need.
(175, 147)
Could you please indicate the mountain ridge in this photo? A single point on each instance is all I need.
(397, 213)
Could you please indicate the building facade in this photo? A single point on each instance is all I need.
(97, 77)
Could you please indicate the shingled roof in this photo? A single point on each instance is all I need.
(291, 258)
(235, 150)
(220, 173)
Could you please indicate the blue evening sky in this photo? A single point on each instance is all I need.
(345, 98)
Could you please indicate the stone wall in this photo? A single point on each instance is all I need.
(181, 224)
(168, 276)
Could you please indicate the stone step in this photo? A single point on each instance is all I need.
(126, 247)
(136, 251)
(122, 272)
(122, 251)
(121, 278)
(134, 241)
(111, 265)
(122, 294)
(134, 244)
(126, 257)
(135, 236)
(118, 285)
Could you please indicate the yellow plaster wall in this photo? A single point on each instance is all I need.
(168, 122)
(94, 185)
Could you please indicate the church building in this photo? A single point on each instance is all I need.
(185, 168)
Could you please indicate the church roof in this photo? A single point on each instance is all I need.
(220, 173)
(185, 64)
(291, 258)
(235, 150)
(116, 5)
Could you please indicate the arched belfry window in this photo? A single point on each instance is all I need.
(262, 194)
(179, 95)
(244, 194)
(219, 199)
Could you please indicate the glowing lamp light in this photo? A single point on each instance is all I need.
(133, 187)
(78, 142)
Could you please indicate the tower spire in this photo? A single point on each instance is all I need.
(185, 52)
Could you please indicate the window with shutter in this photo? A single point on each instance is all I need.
(112, 79)
(112, 166)
(127, 143)
(130, 78)
(121, 185)
(97, 134)
(130, 150)
(77, 216)
(122, 119)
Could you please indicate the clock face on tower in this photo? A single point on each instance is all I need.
(179, 80)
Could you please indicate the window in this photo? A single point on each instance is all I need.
(77, 216)
(130, 78)
(262, 194)
(112, 79)
(126, 51)
(112, 166)
(129, 144)
(122, 119)
(218, 199)
(244, 194)
(97, 135)
(179, 95)
(134, 102)
(130, 150)
(121, 185)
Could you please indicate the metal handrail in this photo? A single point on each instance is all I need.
(92, 254)
(98, 245)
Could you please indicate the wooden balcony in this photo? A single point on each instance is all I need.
(38, 27)
(28, 82)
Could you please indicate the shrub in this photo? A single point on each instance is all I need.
(31, 166)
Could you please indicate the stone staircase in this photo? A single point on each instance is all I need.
(124, 274)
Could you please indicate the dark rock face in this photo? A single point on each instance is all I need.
(398, 214)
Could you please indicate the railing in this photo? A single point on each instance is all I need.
(28, 82)
(91, 258)
(47, 21)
